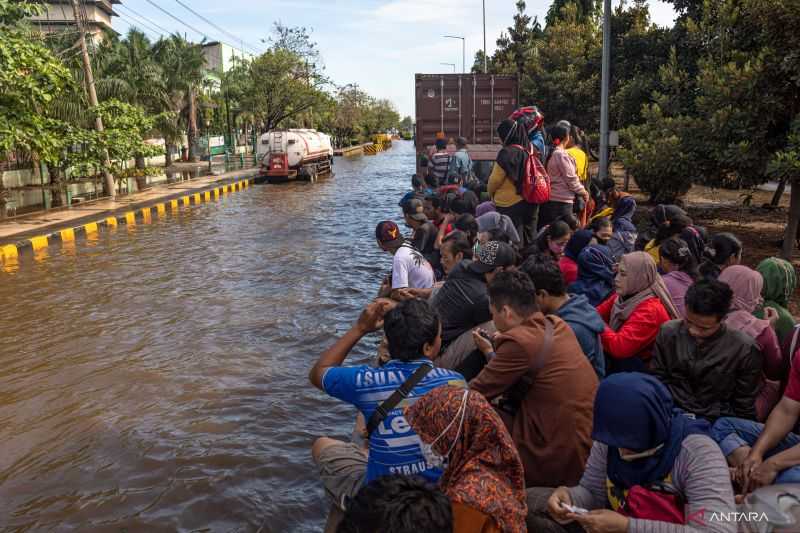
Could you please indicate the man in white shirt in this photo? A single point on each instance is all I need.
(410, 270)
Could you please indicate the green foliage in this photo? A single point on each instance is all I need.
(785, 163)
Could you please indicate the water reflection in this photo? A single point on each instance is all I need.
(156, 378)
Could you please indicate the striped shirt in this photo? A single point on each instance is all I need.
(700, 474)
(440, 162)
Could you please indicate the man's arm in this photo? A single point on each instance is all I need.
(748, 380)
(503, 371)
(780, 422)
(659, 364)
(370, 320)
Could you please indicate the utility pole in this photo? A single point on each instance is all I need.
(606, 80)
(87, 71)
(485, 53)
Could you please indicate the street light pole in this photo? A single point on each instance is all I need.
(463, 51)
(485, 53)
(606, 80)
(450, 65)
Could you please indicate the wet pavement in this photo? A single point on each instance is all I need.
(154, 378)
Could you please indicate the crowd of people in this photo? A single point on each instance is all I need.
(556, 367)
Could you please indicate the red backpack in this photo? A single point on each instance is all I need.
(536, 182)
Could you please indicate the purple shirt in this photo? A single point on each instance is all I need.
(678, 283)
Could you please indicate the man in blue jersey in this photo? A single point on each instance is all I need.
(414, 334)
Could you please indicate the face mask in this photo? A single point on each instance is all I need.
(557, 248)
(430, 455)
(628, 457)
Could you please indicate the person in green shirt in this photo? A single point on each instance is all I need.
(780, 282)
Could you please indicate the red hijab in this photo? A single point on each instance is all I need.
(484, 470)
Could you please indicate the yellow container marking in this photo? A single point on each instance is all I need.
(67, 235)
(130, 218)
(39, 243)
(161, 209)
(185, 200)
(91, 227)
(207, 196)
(111, 222)
(173, 204)
(196, 197)
(9, 251)
(146, 215)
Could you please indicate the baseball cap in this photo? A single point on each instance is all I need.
(387, 231)
(414, 209)
(491, 255)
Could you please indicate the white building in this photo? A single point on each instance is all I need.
(220, 58)
(58, 16)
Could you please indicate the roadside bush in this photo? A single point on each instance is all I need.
(659, 156)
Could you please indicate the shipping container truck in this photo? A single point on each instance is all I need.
(463, 105)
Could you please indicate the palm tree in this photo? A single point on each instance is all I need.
(182, 64)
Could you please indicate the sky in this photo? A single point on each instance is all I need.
(377, 44)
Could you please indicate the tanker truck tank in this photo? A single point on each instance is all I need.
(295, 154)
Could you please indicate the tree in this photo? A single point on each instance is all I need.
(785, 166)
(407, 125)
(585, 9)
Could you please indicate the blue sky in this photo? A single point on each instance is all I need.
(378, 44)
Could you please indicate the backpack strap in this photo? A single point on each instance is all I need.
(400, 394)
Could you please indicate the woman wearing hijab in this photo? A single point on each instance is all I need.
(635, 313)
(595, 274)
(483, 474)
(746, 285)
(494, 226)
(780, 282)
(568, 264)
(505, 182)
(624, 233)
(651, 468)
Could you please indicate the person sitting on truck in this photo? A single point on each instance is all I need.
(440, 162)
(418, 190)
(410, 270)
(460, 165)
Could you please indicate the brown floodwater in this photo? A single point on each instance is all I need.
(154, 378)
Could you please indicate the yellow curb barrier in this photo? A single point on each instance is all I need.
(146, 214)
(130, 218)
(91, 227)
(216, 193)
(207, 196)
(67, 235)
(39, 243)
(196, 197)
(161, 209)
(9, 251)
(185, 200)
(173, 204)
(111, 222)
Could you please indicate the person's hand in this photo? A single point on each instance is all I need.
(771, 314)
(585, 196)
(482, 343)
(371, 318)
(386, 287)
(448, 219)
(761, 476)
(746, 469)
(554, 508)
(404, 294)
(602, 521)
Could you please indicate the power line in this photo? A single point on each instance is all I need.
(142, 17)
(170, 15)
(213, 25)
(133, 23)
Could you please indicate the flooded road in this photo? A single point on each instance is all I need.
(155, 378)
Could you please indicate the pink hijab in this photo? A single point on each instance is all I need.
(641, 282)
(746, 285)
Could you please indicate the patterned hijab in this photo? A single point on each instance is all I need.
(484, 471)
(746, 285)
(641, 281)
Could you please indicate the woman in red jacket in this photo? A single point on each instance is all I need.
(634, 313)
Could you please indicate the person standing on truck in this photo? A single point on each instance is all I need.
(505, 182)
(460, 167)
(440, 162)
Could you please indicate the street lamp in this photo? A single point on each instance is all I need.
(208, 142)
(463, 51)
(606, 79)
(485, 52)
(450, 64)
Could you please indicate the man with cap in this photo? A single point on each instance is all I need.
(463, 303)
(410, 270)
(424, 237)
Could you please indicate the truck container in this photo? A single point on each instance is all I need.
(464, 105)
(294, 153)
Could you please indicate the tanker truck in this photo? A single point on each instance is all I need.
(294, 154)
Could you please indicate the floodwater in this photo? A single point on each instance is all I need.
(154, 378)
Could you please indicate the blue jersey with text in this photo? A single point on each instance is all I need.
(394, 448)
